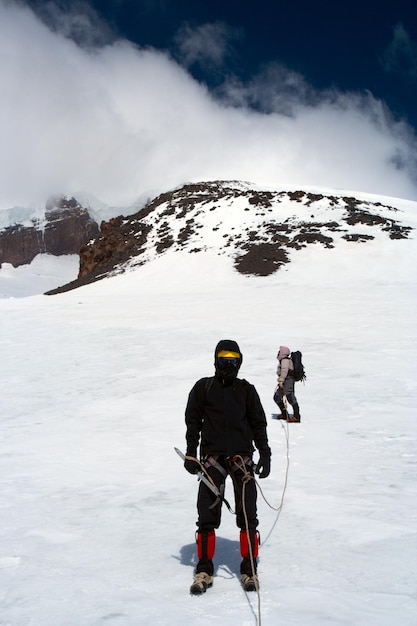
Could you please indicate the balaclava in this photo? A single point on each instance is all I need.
(227, 372)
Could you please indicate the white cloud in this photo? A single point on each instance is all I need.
(274, 89)
(120, 123)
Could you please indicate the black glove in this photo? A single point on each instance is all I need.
(192, 465)
(264, 464)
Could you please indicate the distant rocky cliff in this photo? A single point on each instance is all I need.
(259, 229)
(63, 228)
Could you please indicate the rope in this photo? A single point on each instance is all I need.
(246, 478)
(279, 507)
(284, 489)
(220, 496)
(285, 427)
(203, 469)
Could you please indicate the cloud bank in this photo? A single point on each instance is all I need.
(123, 123)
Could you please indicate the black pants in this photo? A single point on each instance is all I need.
(245, 497)
(279, 400)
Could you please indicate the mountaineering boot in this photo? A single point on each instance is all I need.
(202, 582)
(250, 583)
(296, 417)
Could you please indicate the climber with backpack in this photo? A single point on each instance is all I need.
(290, 369)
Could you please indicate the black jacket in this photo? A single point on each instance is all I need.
(228, 418)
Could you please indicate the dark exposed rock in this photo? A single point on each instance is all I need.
(261, 199)
(397, 232)
(20, 244)
(261, 259)
(364, 217)
(118, 241)
(296, 196)
(66, 227)
(357, 237)
(312, 237)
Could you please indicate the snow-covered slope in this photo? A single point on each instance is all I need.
(260, 229)
(98, 514)
(45, 272)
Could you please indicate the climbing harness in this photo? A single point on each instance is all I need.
(207, 480)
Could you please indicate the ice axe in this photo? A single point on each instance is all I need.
(217, 492)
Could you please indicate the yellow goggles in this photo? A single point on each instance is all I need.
(226, 354)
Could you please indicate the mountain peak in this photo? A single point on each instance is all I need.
(259, 228)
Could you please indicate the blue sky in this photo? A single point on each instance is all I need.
(356, 46)
(125, 99)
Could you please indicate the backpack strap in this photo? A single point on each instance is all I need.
(208, 384)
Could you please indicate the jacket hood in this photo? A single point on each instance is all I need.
(229, 345)
(283, 352)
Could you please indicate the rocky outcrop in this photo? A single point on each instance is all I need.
(259, 230)
(62, 229)
(115, 244)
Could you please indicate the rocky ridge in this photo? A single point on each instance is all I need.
(260, 229)
(62, 228)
